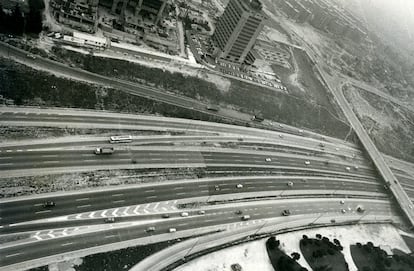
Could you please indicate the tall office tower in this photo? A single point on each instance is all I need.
(237, 30)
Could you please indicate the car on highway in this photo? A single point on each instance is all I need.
(245, 217)
(150, 229)
(289, 184)
(281, 136)
(165, 216)
(184, 214)
(268, 159)
(307, 163)
(238, 212)
(239, 185)
(286, 212)
(216, 187)
(360, 209)
(172, 230)
(356, 167)
(49, 204)
(109, 219)
(342, 202)
(321, 145)
(201, 212)
(348, 169)
(343, 211)
(301, 131)
(31, 56)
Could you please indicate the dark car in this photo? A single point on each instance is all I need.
(286, 212)
(109, 219)
(49, 204)
(239, 212)
(165, 216)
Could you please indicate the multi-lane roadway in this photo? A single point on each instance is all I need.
(213, 217)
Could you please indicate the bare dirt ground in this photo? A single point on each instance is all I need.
(391, 127)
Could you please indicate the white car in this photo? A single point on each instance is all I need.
(281, 136)
(268, 159)
(239, 185)
(172, 230)
(348, 169)
(307, 163)
(342, 202)
(184, 214)
(289, 184)
(343, 211)
(300, 131)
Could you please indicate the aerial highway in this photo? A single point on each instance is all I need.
(29, 116)
(167, 157)
(13, 211)
(213, 217)
(390, 180)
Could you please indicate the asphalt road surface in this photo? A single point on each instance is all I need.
(35, 250)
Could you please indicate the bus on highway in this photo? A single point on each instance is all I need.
(120, 139)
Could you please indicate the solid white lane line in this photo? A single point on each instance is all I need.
(151, 197)
(82, 199)
(110, 236)
(148, 191)
(117, 195)
(181, 193)
(66, 244)
(118, 201)
(38, 204)
(41, 212)
(12, 255)
(83, 206)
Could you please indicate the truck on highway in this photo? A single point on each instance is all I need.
(104, 150)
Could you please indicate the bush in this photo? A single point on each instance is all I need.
(325, 239)
(318, 236)
(295, 256)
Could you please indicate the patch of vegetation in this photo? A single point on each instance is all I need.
(27, 86)
(280, 261)
(371, 258)
(294, 110)
(322, 254)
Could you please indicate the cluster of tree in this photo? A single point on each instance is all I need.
(382, 261)
(327, 247)
(281, 261)
(18, 22)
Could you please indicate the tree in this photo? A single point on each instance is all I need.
(34, 22)
(295, 256)
(16, 21)
(318, 236)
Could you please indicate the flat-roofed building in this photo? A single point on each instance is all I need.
(155, 7)
(237, 30)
